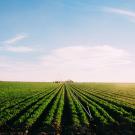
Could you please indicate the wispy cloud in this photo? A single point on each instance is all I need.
(15, 39)
(120, 11)
(12, 45)
(19, 49)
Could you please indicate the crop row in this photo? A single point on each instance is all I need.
(115, 111)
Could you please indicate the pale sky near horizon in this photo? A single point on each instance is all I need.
(82, 40)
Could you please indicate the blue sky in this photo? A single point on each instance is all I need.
(40, 39)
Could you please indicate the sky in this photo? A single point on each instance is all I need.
(82, 40)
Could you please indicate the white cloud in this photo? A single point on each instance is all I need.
(12, 46)
(80, 63)
(15, 39)
(87, 57)
(120, 11)
(18, 49)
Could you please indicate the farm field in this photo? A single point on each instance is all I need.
(67, 108)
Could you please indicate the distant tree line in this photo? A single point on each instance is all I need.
(67, 81)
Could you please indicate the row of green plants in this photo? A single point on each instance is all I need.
(31, 115)
(99, 114)
(115, 111)
(11, 112)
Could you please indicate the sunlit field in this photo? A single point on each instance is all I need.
(67, 108)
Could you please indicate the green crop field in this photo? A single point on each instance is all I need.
(67, 108)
